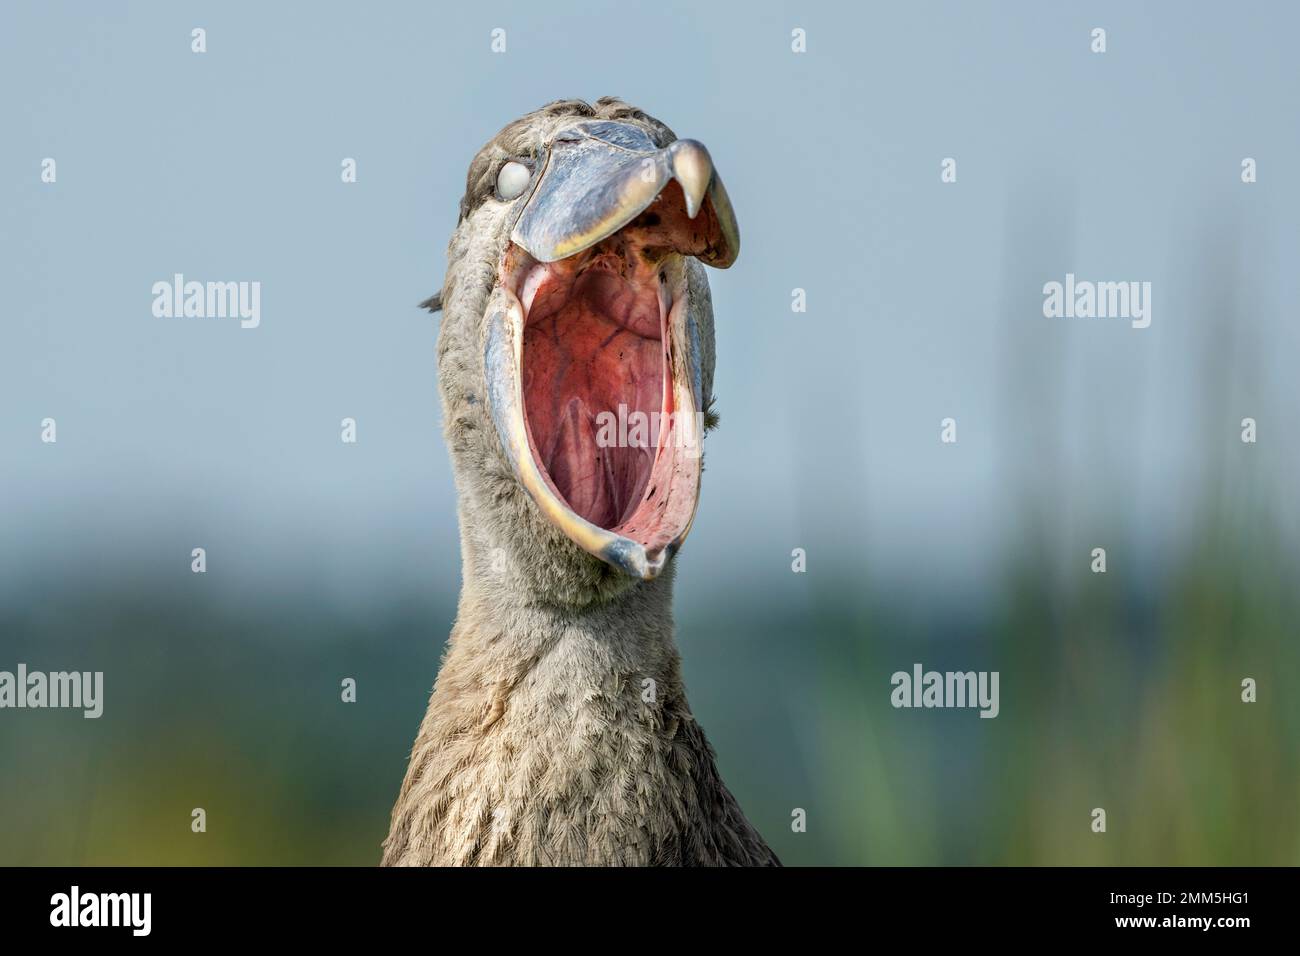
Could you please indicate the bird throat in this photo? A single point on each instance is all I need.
(595, 378)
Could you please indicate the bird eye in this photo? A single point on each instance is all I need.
(512, 179)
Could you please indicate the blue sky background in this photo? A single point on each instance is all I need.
(924, 299)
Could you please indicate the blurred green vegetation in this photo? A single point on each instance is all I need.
(1113, 695)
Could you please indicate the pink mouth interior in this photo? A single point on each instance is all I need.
(593, 341)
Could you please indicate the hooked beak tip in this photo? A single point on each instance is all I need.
(693, 168)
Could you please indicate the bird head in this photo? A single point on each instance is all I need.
(576, 349)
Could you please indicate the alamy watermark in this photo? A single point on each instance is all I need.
(922, 688)
(208, 300)
(77, 690)
(638, 429)
(1084, 299)
(76, 908)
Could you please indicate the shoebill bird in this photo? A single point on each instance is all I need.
(575, 311)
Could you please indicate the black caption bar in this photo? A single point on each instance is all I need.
(332, 905)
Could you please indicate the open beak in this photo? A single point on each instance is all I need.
(591, 353)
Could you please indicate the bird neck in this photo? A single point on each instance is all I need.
(541, 713)
(500, 627)
(537, 665)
